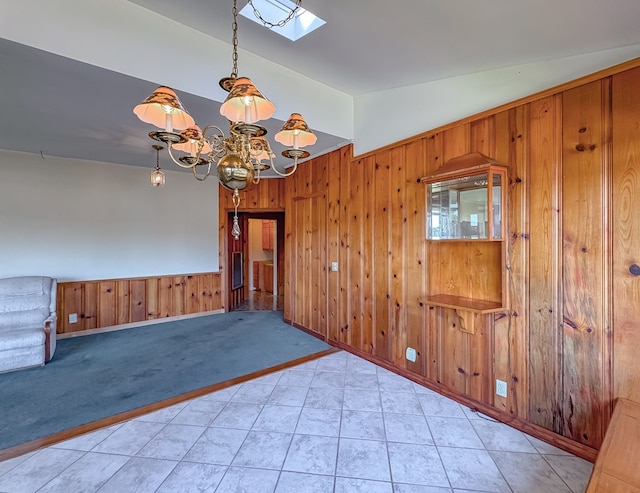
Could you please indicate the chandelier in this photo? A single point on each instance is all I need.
(241, 156)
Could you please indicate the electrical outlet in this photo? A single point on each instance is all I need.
(73, 318)
(334, 266)
(411, 354)
(501, 388)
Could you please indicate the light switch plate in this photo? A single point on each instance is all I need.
(501, 388)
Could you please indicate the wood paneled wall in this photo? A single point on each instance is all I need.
(110, 302)
(566, 345)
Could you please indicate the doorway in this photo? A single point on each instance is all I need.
(262, 247)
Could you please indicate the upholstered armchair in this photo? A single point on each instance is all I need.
(27, 321)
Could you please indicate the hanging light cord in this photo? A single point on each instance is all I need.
(281, 23)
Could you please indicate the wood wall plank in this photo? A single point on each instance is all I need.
(368, 239)
(415, 267)
(626, 234)
(193, 302)
(90, 306)
(138, 300)
(397, 240)
(545, 287)
(165, 297)
(69, 301)
(583, 236)
(345, 326)
(382, 255)
(123, 303)
(333, 251)
(179, 295)
(107, 299)
(353, 256)
(153, 301)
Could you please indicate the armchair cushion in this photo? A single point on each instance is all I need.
(16, 339)
(27, 318)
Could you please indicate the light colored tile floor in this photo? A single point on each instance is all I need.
(338, 424)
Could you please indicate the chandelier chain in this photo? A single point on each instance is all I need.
(234, 27)
(281, 23)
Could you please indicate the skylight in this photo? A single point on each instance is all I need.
(274, 10)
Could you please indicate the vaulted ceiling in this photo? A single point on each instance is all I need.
(72, 71)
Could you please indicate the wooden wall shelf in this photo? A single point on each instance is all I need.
(468, 304)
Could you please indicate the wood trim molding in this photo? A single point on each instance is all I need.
(306, 330)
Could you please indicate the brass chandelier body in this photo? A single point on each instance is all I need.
(245, 152)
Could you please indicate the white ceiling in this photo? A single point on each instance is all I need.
(371, 45)
(70, 108)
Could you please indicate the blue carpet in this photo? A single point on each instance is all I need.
(96, 376)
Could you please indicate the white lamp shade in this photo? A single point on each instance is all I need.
(260, 149)
(246, 104)
(193, 135)
(296, 133)
(164, 110)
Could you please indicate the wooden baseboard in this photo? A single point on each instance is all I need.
(520, 424)
(308, 331)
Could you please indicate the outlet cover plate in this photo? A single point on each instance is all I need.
(501, 388)
(411, 354)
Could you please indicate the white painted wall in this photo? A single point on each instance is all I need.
(82, 220)
(385, 117)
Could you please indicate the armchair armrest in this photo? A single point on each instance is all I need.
(50, 336)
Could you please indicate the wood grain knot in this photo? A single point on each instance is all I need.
(587, 148)
(460, 370)
(635, 269)
(582, 130)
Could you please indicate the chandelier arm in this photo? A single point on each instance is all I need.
(202, 177)
(280, 23)
(256, 176)
(219, 133)
(284, 175)
(178, 163)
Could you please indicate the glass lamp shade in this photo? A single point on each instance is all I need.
(234, 173)
(164, 110)
(157, 177)
(296, 133)
(246, 104)
(193, 135)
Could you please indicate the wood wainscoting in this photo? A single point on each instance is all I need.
(108, 302)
